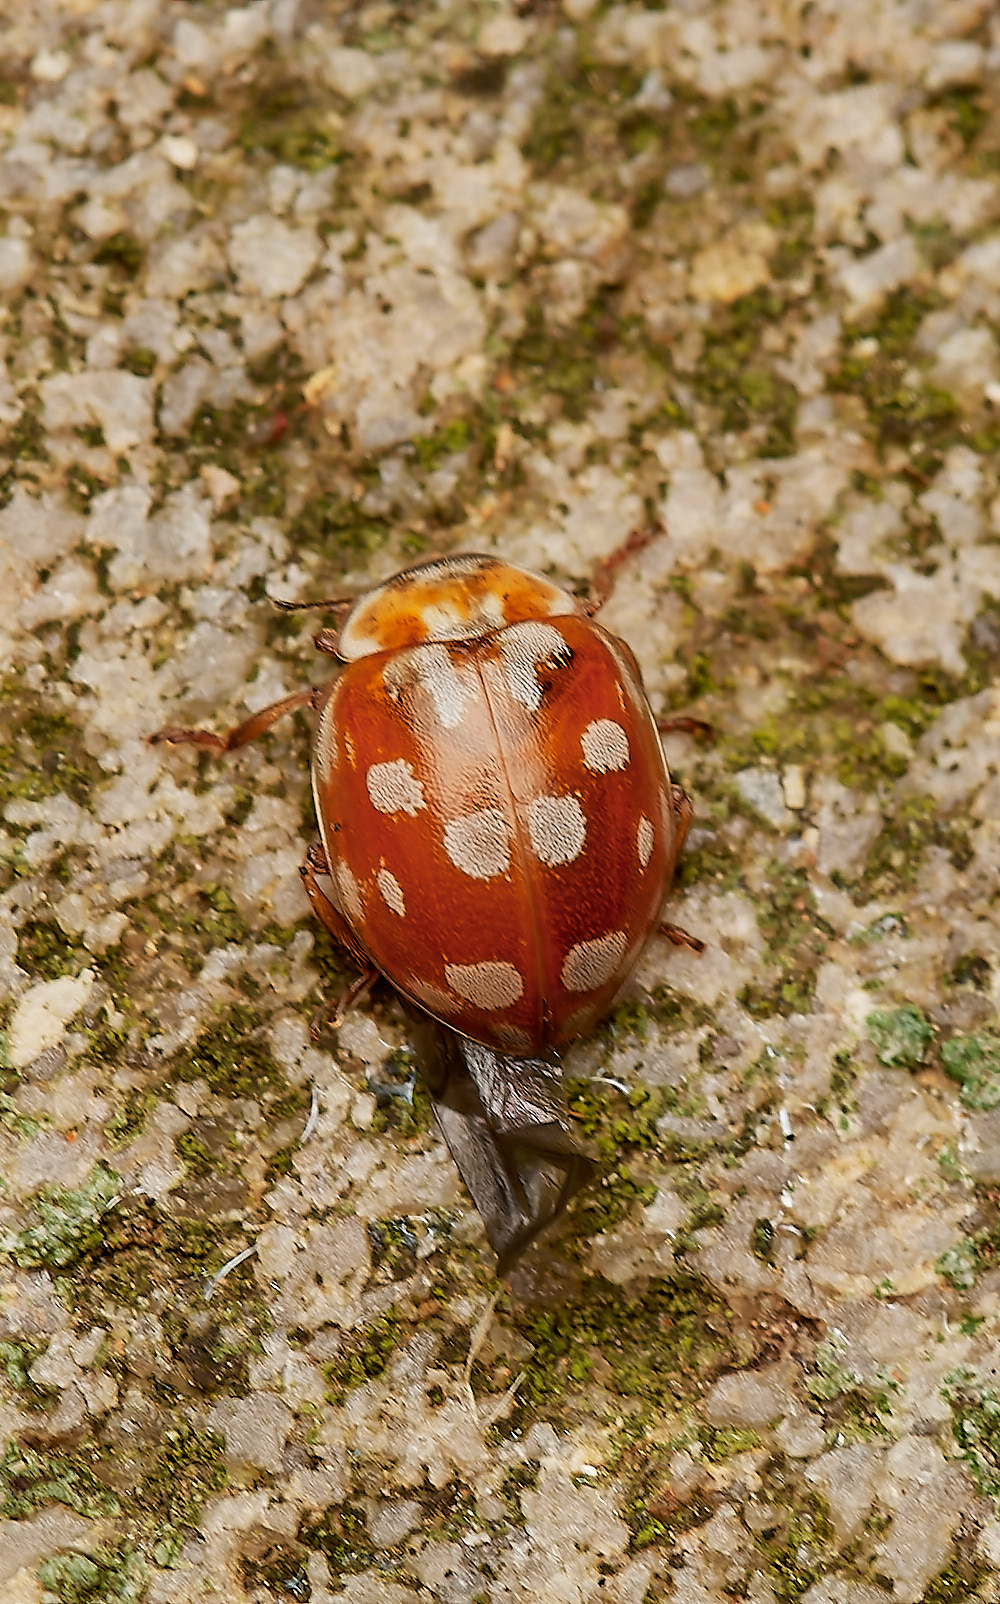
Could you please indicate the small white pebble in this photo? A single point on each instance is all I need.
(50, 66)
(794, 786)
(43, 1013)
(223, 487)
(180, 150)
(503, 36)
(363, 1110)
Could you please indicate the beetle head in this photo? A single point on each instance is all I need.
(448, 599)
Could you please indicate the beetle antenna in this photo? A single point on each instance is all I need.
(331, 604)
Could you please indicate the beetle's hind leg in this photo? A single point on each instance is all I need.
(249, 730)
(330, 916)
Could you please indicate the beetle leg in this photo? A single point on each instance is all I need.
(679, 937)
(334, 1014)
(681, 724)
(249, 730)
(327, 640)
(683, 814)
(330, 916)
(324, 907)
(603, 582)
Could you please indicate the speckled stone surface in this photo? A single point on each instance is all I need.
(293, 295)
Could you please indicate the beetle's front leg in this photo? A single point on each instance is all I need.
(605, 574)
(312, 696)
(682, 724)
(330, 916)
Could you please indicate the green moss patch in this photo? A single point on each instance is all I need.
(901, 1036)
(16, 1360)
(655, 1349)
(562, 363)
(45, 951)
(896, 857)
(797, 1552)
(290, 124)
(974, 1062)
(232, 1057)
(70, 1225)
(960, 1264)
(30, 1480)
(918, 414)
(107, 1576)
(212, 916)
(796, 940)
(190, 1467)
(735, 376)
(364, 1356)
(46, 757)
(853, 1410)
(975, 1424)
(341, 1535)
(338, 527)
(277, 1564)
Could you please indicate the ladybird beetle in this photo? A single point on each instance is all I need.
(498, 833)
(497, 821)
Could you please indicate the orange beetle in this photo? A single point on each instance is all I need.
(493, 801)
(496, 815)
(498, 834)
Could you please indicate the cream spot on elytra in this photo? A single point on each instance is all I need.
(350, 892)
(394, 788)
(605, 746)
(592, 963)
(486, 985)
(430, 997)
(644, 841)
(579, 1021)
(510, 1039)
(392, 891)
(526, 648)
(478, 844)
(431, 667)
(557, 828)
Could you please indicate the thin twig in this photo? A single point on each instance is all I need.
(231, 1264)
(313, 1120)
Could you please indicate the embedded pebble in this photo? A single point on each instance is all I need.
(42, 1014)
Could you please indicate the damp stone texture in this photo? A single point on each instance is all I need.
(299, 292)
